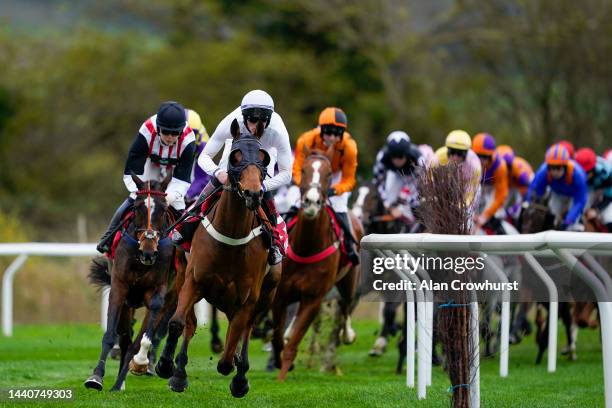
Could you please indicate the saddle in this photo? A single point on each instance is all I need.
(271, 228)
(338, 232)
(127, 218)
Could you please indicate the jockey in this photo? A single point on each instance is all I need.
(568, 183)
(426, 152)
(198, 177)
(257, 106)
(394, 174)
(332, 132)
(495, 182)
(457, 148)
(164, 143)
(608, 156)
(599, 180)
(520, 176)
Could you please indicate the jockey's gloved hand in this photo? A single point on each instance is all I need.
(173, 196)
(331, 192)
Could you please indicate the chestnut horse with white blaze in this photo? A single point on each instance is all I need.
(227, 266)
(313, 264)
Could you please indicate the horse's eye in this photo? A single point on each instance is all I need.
(236, 157)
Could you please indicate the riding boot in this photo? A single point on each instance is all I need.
(496, 225)
(107, 238)
(277, 250)
(183, 233)
(292, 213)
(343, 219)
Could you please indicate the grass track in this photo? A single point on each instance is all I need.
(63, 356)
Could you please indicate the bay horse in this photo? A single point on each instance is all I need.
(377, 220)
(227, 267)
(140, 275)
(537, 217)
(313, 264)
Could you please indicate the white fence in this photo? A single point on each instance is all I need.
(24, 250)
(563, 245)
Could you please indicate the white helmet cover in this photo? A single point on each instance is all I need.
(397, 136)
(257, 99)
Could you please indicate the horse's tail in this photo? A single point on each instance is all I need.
(98, 272)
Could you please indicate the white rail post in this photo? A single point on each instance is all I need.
(7, 294)
(424, 275)
(504, 344)
(553, 310)
(422, 328)
(410, 339)
(475, 366)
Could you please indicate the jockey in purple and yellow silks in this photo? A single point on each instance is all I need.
(568, 184)
(494, 180)
(520, 175)
(199, 178)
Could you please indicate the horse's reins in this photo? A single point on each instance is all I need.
(149, 233)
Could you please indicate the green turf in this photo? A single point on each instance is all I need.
(63, 356)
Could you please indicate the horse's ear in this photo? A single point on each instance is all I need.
(166, 181)
(235, 129)
(307, 151)
(137, 180)
(259, 130)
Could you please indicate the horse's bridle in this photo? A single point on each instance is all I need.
(149, 233)
(316, 185)
(249, 148)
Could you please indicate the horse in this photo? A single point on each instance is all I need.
(140, 275)
(582, 310)
(313, 264)
(230, 273)
(377, 220)
(536, 217)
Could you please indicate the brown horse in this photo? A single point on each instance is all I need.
(140, 276)
(227, 267)
(536, 217)
(313, 264)
(583, 311)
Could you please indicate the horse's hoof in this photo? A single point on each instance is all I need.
(216, 346)
(379, 347)
(348, 337)
(117, 388)
(515, 339)
(178, 384)
(115, 353)
(239, 387)
(138, 369)
(94, 382)
(164, 368)
(150, 370)
(225, 368)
